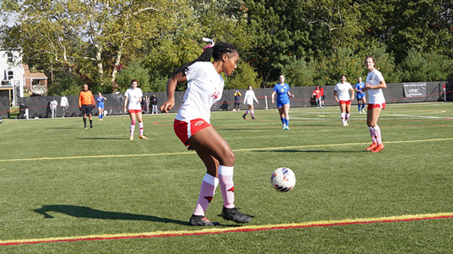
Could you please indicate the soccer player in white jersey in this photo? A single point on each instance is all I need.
(132, 104)
(342, 96)
(192, 126)
(248, 99)
(376, 102)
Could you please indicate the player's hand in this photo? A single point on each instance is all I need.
(125, 110)
(367, 87)
(93, 106)
(80, 108)
(272, 101)
(168, 105)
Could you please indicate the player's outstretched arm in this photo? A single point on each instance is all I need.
(171, 87)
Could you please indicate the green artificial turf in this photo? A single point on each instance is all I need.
(59, 180)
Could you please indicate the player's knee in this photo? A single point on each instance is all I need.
(229, 158)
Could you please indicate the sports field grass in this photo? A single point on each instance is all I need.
(64, 188)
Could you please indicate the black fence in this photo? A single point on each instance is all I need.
(4, 107)
(114, 105)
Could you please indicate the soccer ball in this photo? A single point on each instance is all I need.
(283, 179)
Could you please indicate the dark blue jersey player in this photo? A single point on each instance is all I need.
(361, 99)
(283, 104)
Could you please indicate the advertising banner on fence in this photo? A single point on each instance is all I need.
(414, 89)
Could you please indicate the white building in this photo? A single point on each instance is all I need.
(12, 75)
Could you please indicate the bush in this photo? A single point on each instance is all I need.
(243, 77)
(133, 71)
(420, 66)
(298, 73)
(67, 84)
(329, 69)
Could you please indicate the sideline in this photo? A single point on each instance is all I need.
(325, 223)
(234, 150)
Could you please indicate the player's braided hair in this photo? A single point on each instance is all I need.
(216, 52)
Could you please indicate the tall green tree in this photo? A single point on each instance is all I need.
(77, 34)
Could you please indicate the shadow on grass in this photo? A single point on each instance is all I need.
(87, 212)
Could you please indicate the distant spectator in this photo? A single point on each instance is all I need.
(64, 105)
(146, 99)
(237, 100)
(317, 95)
(154, 104)
(323, 96)
(53, 107)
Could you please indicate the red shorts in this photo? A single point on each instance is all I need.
(378, 105)
(135, 111)
(185, 130)
(345, 102)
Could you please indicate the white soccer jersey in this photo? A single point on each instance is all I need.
(53, 104)
(204, 88)
(376, 96)
(64, 101)
(133, 96)
(249, 97)
(343, 91)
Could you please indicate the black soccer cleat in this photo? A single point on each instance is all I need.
(243, 116)
(198, 220)
(234, 215)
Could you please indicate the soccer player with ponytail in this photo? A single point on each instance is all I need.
(192, 126)
(134, 96)
(376, 102)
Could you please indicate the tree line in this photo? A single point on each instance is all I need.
(106, 43)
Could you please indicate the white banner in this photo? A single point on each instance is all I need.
(414, 89)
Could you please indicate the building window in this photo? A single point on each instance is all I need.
(10, 57)
(10, 75)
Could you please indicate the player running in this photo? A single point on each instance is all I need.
(248, 99)
(342, 96)
(133, 102)
(86, 105)
(374, 84)
(361, 99)
(192, 126)
(100, 101)
(283, 103)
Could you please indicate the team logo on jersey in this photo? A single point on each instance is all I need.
(199, 123)
(209, 199)
(215, 94)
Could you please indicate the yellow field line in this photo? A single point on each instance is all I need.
(235, 150)
(214, 230)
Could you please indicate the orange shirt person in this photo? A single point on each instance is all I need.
(86, 105)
